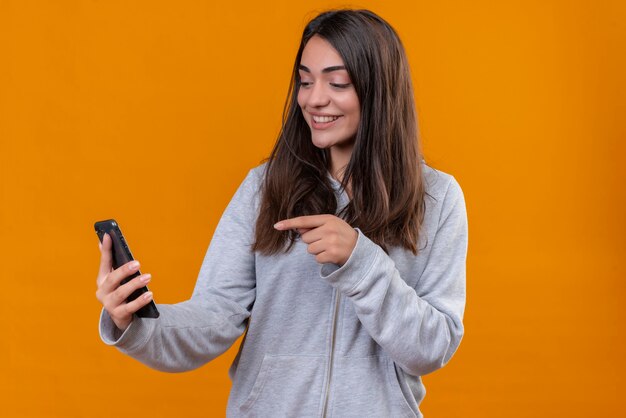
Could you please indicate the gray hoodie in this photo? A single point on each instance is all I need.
(321, 340)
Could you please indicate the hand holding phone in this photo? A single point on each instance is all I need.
(121, 287)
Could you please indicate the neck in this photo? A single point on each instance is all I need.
(339, 159)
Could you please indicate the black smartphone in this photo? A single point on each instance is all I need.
(122, 255)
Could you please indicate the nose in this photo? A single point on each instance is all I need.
(318, 96)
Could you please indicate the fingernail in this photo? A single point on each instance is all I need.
(147, 295)
(133, 266)
(145, 278)
(278, 225)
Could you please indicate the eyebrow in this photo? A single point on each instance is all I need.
(325, 70)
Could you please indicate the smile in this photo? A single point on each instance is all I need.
(324, 119)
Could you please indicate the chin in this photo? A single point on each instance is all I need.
(322, 144)
(327, 140)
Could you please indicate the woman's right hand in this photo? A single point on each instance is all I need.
(112, 295)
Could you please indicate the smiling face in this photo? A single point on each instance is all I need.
(328, 100)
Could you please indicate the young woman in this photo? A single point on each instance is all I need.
(342, 258)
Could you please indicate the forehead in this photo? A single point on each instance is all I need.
(318, 53)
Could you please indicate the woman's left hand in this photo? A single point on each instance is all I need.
(330, 238)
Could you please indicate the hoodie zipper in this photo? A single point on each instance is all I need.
(341, 197)
(332, 353)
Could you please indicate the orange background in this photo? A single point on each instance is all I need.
(153, 111)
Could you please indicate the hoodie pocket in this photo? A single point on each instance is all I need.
(286, 385)
(396, 386)
(368, 387)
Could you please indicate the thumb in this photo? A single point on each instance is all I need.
(106, 258)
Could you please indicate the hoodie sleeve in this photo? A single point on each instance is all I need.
(189, 334)
(419, 328)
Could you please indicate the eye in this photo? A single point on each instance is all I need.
(305, 84)
(340, 86)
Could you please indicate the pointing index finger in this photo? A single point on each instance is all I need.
(301, 222)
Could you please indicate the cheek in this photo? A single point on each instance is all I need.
(355, 117)
(354, 123)
(301, 103)
(349, 103)
(301, 99)
(352, 108)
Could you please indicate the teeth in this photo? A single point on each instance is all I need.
(325, 119)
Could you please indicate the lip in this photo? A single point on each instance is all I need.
(321, 114)
(323, 125)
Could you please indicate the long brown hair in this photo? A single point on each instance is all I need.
(384, 172)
